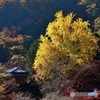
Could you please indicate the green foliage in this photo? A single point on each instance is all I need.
(67, 41)
(30, 56)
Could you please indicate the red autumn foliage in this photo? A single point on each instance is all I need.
(86, 80)
(87, 77)
(69, 89)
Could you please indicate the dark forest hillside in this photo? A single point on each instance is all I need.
(33, 16)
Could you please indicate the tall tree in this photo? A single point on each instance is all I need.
(67, 41)
(30, 56)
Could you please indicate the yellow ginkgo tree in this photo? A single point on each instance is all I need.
(66, 40)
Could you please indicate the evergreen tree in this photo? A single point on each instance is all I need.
(30, 56)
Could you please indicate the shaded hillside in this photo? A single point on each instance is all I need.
(33, 16)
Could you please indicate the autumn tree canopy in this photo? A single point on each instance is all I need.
(12, 43)
(66, 40)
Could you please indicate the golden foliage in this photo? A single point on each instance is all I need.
(3, 75)
(65, 39)
(12, 41)
(22, 1)
(9, 38)
(2, 89)
(2, 2)
(14, 57)
(82, 2)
